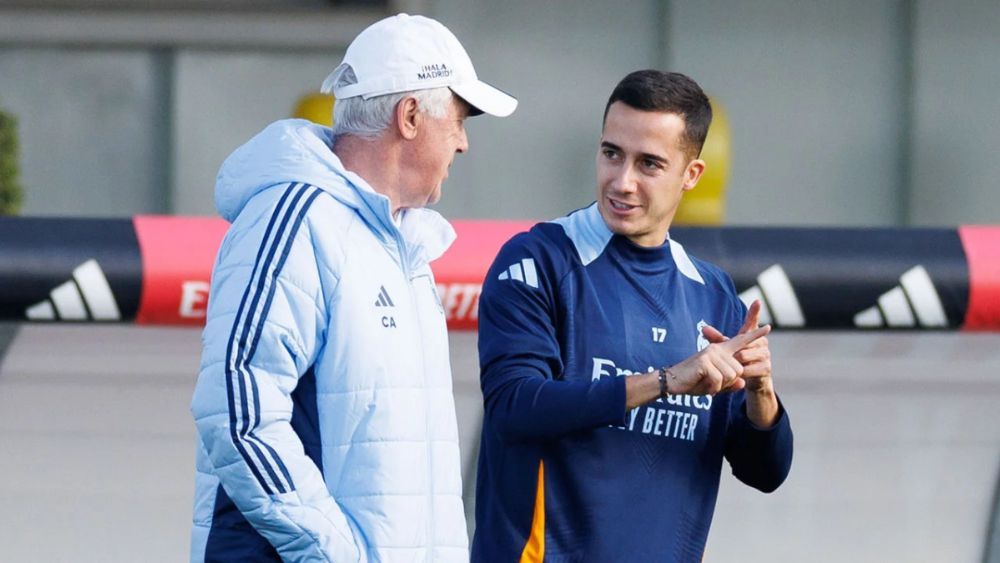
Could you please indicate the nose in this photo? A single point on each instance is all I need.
(623, 180)
(463, 141)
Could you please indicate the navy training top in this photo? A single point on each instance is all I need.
(566, 474)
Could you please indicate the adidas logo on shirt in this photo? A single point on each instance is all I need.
(383, 298)
(87, 296)
(523, 271)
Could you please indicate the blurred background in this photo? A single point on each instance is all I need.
(855, 112)
(848, 113)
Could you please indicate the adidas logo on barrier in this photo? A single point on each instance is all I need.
(87, 296)
(779, 305)
(914, 300)
(523, 271)
(383, 298)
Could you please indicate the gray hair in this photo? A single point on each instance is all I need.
(368, 118)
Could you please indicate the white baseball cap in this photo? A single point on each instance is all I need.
(404, 53)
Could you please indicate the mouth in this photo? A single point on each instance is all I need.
(620, 207)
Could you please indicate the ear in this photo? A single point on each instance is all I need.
(408, 118)
(693, 173)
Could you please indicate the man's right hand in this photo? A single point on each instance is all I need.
(706, 373)
(715, 368)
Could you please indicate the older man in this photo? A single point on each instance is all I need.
(324, 403)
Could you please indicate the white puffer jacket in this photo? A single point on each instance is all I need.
(324, 402)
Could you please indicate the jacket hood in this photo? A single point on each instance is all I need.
(297, 150)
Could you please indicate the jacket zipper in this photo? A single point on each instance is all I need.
(431, 521)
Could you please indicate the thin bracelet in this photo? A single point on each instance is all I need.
(662, 376)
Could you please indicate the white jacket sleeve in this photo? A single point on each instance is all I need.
(266, 323)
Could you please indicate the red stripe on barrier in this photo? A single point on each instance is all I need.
(177, 258)
(178, 254)
(982, 251)
(461, 270)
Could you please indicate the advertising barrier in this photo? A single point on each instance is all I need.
(156, 270)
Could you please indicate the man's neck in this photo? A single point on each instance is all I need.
(377, 160)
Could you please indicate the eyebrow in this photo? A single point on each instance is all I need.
(645, 155)
(464, 108)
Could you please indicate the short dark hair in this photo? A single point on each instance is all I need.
(668, 92)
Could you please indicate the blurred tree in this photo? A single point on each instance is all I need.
(11, 194)
(10, 200)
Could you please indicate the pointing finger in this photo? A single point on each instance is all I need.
(753, 317)
(742, 340)
(713, 335)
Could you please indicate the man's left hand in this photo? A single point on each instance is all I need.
(762, 403)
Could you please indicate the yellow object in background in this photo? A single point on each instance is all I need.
(706, 203)
(315, 107)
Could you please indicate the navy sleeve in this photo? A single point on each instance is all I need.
(525, 395)
(760, 458)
